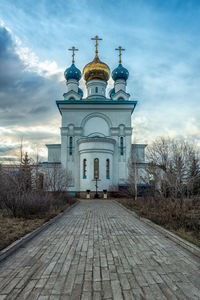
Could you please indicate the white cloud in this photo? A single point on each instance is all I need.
(163, 61)
(33, 64)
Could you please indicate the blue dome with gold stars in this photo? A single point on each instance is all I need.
(72, 73)
(120, 73)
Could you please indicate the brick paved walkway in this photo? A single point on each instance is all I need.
(100, 251)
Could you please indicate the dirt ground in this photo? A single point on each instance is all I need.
(11, 229)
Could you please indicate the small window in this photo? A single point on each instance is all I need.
(96, 90)
(84, 168)
(96, 168)
(71, 98)
(121, 145)
(107, 169)
(70, 145)
(120, 98)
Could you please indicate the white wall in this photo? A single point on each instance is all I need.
(120, 84)
(96, 88)
(54, 153)
(90, 149)
(95, 126)
(80, 121)
(77, 114)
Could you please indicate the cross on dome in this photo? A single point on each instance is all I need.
(120, 49)
(96, 38)
(120, 72)
(96, 69)
(73, 49)
(72, 72)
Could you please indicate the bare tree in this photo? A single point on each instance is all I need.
(193, 178)
(170, 163)
(57, 179)
(24, 173)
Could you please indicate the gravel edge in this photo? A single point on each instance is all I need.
(180, 241)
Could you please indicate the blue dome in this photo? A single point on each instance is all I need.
(72, 73)
(120, 73)
(80, 92)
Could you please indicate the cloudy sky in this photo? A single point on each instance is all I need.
(162, 55)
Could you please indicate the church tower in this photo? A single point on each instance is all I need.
(72, 76)
(96, 131)
(120, 76)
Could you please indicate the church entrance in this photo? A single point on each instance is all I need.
(96, 162)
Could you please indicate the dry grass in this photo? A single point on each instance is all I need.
(11, 229)
(188, 236)
(183, 220)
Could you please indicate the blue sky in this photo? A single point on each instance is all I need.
(162, 55)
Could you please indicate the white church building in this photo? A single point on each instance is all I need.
(96, 133)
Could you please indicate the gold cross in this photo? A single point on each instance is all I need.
(96, 38)
(73, 49)
(120, 49)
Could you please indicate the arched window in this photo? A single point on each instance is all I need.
(84, 168)
(70, 145)
(107, 169)
(121, 145)
(71, 98)
(96, 168)
(96, 89)
(120, 98)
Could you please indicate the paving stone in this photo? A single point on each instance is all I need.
(54, 297)
(86, 296)
(43, 297)
(128, 295)
(107, 290)
(124, 282)
(87, 286)
(97, 296)
(97, 286)
(116, 290)
(76, 293)
(100, 251)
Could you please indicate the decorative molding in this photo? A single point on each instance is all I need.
(96, 140)
(122, 94)
(66, 131)
(96, 114)
(72, 94)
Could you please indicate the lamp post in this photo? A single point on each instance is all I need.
(96, 175)
(96, 185)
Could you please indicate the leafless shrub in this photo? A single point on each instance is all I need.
(60, 199)
(21, 198)
(174, 172)
(168, 213)
(18, 201)
(57, 179)
(33, 203)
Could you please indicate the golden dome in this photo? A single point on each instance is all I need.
(96, 70)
